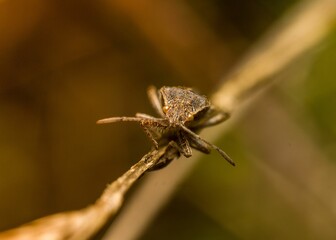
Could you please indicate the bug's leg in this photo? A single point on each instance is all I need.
(166, 159)
(150, 133)
(220, 151)
(199, 145)
(180, 149)
(155, 100)
(214, 119)
(182, 145)
(153, 127)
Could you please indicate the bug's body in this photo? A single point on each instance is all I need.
(181, 105)
(183, 113)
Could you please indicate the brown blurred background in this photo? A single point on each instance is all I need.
(66, 64)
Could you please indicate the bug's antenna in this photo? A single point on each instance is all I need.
(221, 152)
(119, 119)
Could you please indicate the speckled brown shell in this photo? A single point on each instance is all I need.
(182, 104)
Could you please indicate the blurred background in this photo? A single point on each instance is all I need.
(66, 64)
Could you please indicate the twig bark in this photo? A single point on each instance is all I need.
(84, 223)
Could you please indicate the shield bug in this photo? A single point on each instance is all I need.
(183, 113)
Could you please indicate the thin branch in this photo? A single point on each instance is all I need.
(84, 223)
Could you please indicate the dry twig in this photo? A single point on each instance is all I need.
(84, 223)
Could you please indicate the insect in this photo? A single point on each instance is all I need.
(183, 113)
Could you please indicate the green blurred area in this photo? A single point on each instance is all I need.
(66, 64)
(320, 89)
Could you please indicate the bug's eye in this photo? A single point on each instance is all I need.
(190, 117)
(165, 109)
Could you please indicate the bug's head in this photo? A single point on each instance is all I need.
(182, 105)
